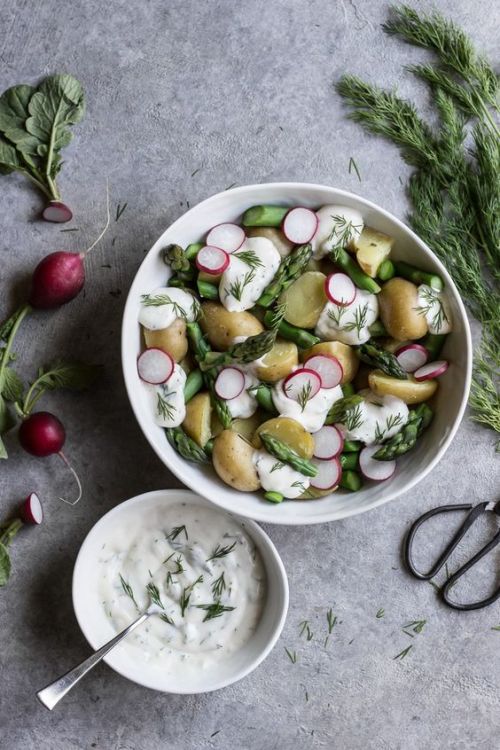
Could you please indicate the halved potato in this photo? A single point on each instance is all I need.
(222, 326)
(372, 247)
(197, 422)
(344, 353)
(288, 431)
(278, 362)
(233, 461)
(410, 391)
(247, 427)
(305, 299)
(172, 340)
(280, 242)
(399, 310)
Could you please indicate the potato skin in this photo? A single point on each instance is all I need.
(305, 299)
(410, 391)
(222, 326)
(289, 431)
(197, 422)
(280, 242)
(399, 312)
(232, 459)
(172, 340)
(278, 362)
(343, 352)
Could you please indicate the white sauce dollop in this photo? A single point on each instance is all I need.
(313, 416)
(172, 303)
(377, 418)
(277, 476)
(245, 404)
(241, 285)
(436, 309)
(348, 324)
(338, 225)
(168, 399)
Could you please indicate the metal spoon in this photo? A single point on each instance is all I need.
(55, 691)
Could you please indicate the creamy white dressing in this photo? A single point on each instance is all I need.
(143, 550)
(338, 226)
(349, 324)
(245, 404)
(168, 399)
(314, 413)
(375, 419)
(241, 284)
(434, 306)
(164, 305)
(276, 476)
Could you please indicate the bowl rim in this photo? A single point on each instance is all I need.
(257, 534)
(182, 471)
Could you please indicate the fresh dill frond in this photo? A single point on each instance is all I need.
(176, 531)
(354, 418)
(336, 313)
(250, 258)
(219, 586)
(221, 551)
(416, 627)
(236, 288)
(277, 466)
(180, 567)
(343, 230)
(359, 322)
(299, 485)
(292, 655)
(216, 609)
(128, 590)
(380, 614)
(404, 653)
(158, 300)
(186, 595)
(164, 408)
(354, 166)
(154, 594)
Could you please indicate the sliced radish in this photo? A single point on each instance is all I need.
(300, 225)
(57, 212)
(155, 366)
(228, 237)
(230, 383)
(31, 510)
(328, 368)
(378, 471)
(431, 370)
(213, 260)
(411, 356)
(328, 476)
(340, 289)
(302, 385)
(328, 442)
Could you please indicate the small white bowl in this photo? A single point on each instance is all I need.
(97, 629)
(449, 403)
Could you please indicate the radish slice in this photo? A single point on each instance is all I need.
(228, 237)
(57, 212)
(340, 289)
(328, 368)
(328, 476)
(212, 260)
(411, 356)
(31, 510)
(302, 385)
(230, 383)
(300, 225)
(378, 471)
(431, 370)
(328, 443)
(155, 366)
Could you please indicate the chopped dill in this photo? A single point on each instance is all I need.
(218, 586)
(292, 655)
(163, 407)
(380, 613)
(250, 258)
(176, 531)
(158, 300)
(354, 166)
(277, 466)
(216, 609)
(221, 551)
(359, 321)
(154, 595)
(119, 210)
(128, 590)
(186, 594)
(404, 653)
(237, 287)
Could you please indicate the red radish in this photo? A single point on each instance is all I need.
(328, 442)
(155, 366)
(411, 356)
(31, 510)
(228, 237)
(340, 289)
(302, 385)
(43, 434)
(431, 370)
(328, 368)
(230, 383)
(300, 225)
(57, 212)
(328, 476)
(213, 260)
(378, 471)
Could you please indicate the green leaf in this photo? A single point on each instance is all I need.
(13, 115)
(12, 387)
(5, 565)
(7, 421)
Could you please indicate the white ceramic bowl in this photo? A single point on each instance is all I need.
(450, 401)
(97, 628)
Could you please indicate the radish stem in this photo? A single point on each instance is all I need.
(77, 478)
(22, 312)
(106, 226)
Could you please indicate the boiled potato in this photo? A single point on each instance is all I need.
(280, 242)
(172, 340)
(247, 427)
(314, 265)
(305, 299)
(372, 247)
(222, 326)
(288, 431)
(197, 422)
(398, 302)
(232, 459)
(344, 353)
(312, 493)
(278, 362)
(410, 391)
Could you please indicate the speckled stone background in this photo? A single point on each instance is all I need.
(184, 99)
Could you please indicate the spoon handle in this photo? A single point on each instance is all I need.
(52, 693)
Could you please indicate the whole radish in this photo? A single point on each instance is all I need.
(43, 434)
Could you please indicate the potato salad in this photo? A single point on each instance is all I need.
(293, 351)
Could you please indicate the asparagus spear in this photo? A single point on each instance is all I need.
(247, 351)
(418, 420)
(352, 446)
(349, 461)
(340, 408)
(351, 481)
(417, 276)
(433, 342)
(184, 446)
(343, 260)
(377, 329)
(283, 452)
(289, 270)
(299, 336)
(194, 383)
(201, 349)
(348, 389)
(264, 397)
(374, 355)
(386, 270)
(264, 216)
(274, 497)
(207, 290)
(193, 249)
(175, 257)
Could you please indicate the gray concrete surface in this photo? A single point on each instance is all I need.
(184, 99)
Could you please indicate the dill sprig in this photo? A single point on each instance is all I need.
(128, 590)
(176, 531)
(158, 300)
(163, 406)
(215, 609)
(380, 614)
(404, 653)
(292, 655)
(236, 288)
(250, 258)
(416, 627)
(354, 166)
(219, 586)
(359, 322)
(221, 551)
(433, 301)
(344, 230)
(186, 595)
(154, 594)
(336, 313)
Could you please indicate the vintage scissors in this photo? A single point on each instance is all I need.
(473, 513)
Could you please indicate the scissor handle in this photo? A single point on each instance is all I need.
(462, 570)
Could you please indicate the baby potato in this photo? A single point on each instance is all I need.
(246, 427)
(278, 362)
(372, 247)
(305, 299)
(289, 431)
(398, 303)
(410, 391)
(172, 340)
(197, 422)
(344, 353)
(232, 458)
(222, 326)
(280, 242)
